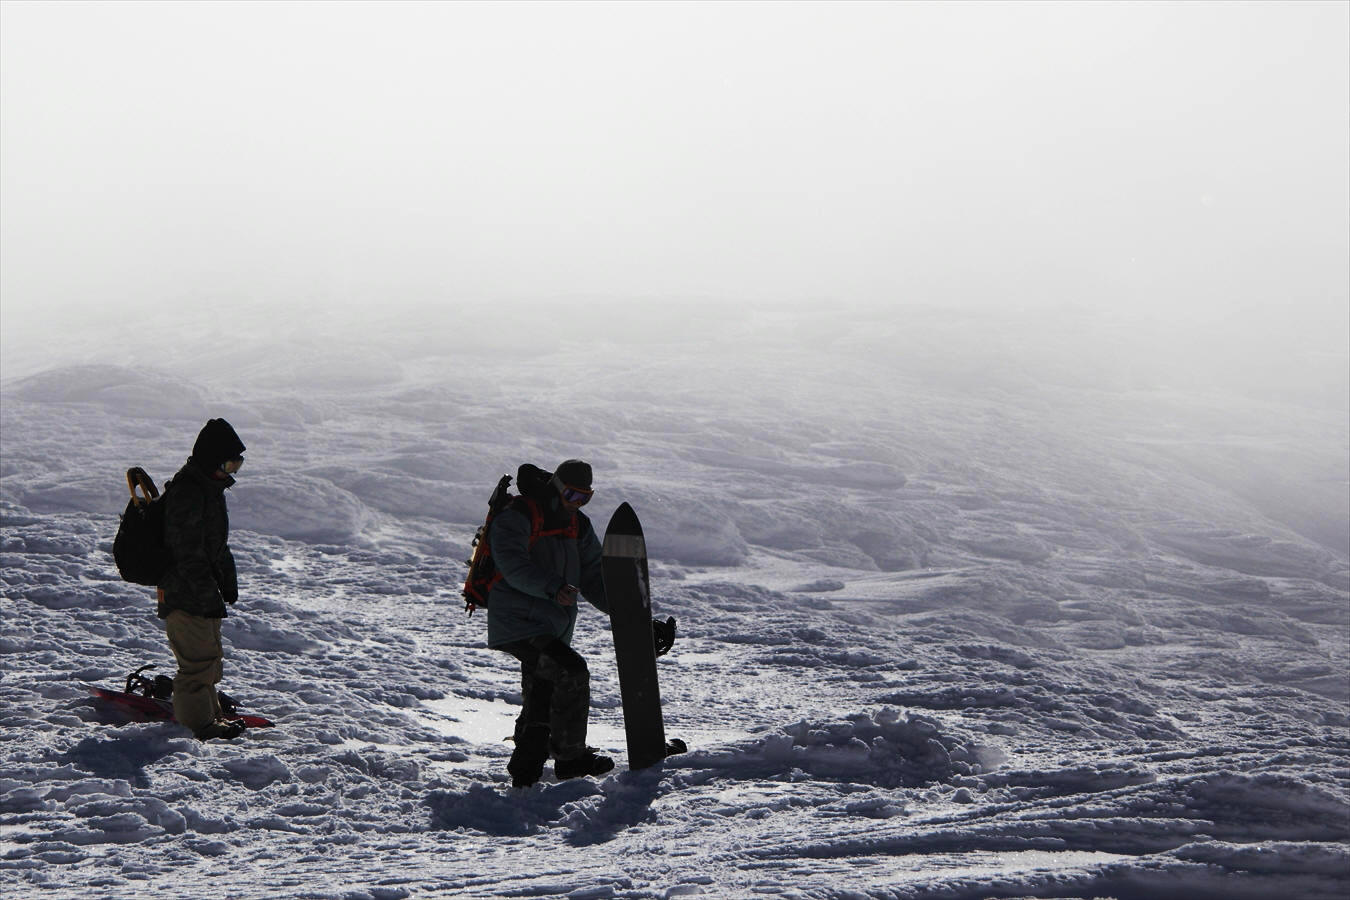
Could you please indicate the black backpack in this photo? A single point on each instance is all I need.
(139, 549)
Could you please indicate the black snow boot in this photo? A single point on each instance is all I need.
(527, 762)
(225, 729)
(589, 763)
(232, 729)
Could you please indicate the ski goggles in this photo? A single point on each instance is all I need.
(231, 466)
(579, 496)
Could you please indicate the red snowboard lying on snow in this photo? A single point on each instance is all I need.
(150, 699)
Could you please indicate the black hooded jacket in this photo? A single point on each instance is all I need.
(203, 580)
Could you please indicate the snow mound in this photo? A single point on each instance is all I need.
(506, 811)
(298, 507)
(1282, 807)
(689, 529)
(403, 494)
(880, 749)
(1250, 554)
(132, 392)
(1270, 857)
(1001, 541)
(102, 492)
(257, 772)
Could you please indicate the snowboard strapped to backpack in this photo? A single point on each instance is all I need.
(139, 549)
(483, 574)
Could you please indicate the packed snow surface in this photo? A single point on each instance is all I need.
(1046, 626)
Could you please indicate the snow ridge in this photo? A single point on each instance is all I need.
(934, 643)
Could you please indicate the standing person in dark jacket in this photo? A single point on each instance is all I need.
(547, 553)
(202, 582)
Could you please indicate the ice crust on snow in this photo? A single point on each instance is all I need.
(939, 640)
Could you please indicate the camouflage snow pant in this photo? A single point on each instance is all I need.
(555, 690)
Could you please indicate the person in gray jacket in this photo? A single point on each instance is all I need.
(202, 581)
(548, 554)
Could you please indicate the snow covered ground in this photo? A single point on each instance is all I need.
(1055, 624)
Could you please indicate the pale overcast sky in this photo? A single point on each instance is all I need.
(1132, 153)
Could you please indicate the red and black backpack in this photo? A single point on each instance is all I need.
(483, 574)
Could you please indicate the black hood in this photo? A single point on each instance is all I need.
(216, 443)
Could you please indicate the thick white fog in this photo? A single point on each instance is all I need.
(1127, 156)
(1151, 199)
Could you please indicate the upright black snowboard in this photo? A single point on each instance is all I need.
(630, 619)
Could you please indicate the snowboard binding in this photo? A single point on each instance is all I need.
(158, 688)
(161, 688)
(663, 635)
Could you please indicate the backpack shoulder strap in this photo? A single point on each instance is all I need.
(531, 509)
(537, 530)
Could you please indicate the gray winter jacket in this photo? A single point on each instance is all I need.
(521, 605)
(202, 580)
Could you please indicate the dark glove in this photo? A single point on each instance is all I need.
(566, 596)
(663, 633)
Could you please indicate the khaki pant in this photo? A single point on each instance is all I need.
(201, 661)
